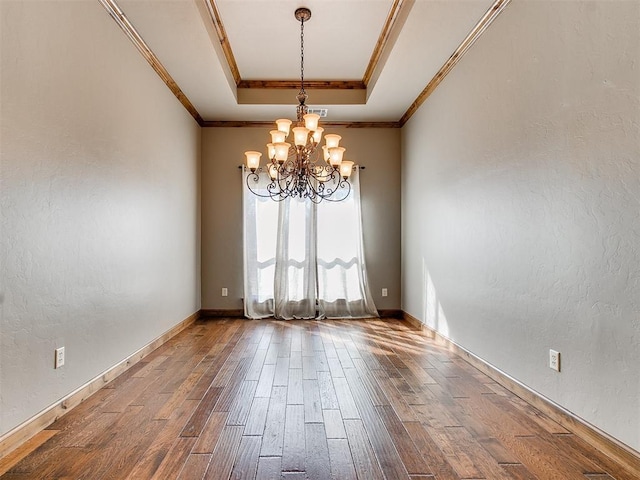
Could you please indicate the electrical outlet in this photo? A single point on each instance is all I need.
(554, 360)
(385, 292)
(59, 358)
(225, 292)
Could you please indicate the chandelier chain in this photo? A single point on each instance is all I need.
(302, 55)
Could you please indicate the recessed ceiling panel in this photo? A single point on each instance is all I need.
(338, 39)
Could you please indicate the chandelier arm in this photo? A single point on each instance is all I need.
(254, 176)
(341, 184)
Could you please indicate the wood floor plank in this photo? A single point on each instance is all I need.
(335, 367)
(84, 437)
(381, 441)
(317, 463)
(397, 401)
(312, 403)
(179, 395)
(412, 460)
(229, 392)
(430, 451)
(220, 353)
(295, 394)
(345, 398)
(293, 453)
(273, 438)
(295, 359)
(127, 440)
(242, 404)
(266, 381)
(246, 464)
(194, 425)
(195, 466)
(211, 433)
(257, 363)
(378, 396)
(257, 417)
(269, 468)
(333, 424)
(342, 467)
(322, 364)
(281, 376)
(364, 458)
(482, 460)
(328, 398)
(224, 455)
(309, 371)
(520, 472)
(175, 459)
(155, 452)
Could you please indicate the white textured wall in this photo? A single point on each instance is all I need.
(521, 205)
(99, 202)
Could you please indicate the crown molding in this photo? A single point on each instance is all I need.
(248, 124)
(309, 84)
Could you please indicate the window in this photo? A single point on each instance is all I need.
(303, 260)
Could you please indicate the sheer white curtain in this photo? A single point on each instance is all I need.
(295, 275)
(343, 289)
(303, 260)
(260, 232)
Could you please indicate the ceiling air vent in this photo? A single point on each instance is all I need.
(320, 111)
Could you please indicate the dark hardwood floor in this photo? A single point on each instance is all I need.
(306, 399)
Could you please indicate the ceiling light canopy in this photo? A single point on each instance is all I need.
(299, 168)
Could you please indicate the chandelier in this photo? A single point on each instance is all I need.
(303, 169)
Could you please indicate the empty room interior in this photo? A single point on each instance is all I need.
(381, 239)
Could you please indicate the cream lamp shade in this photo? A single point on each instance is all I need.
(332, 140)
(253, 159)
(346, 167)
(300, 136)
(282, 151)
(278, 136)
(271, 151)
(335, 156)
(284, 124)
(317, 134)
(311, 121)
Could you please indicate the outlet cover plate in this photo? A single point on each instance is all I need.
(59, 358)
(554, 360)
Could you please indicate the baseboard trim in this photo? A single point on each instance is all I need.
(221, 313)
(626, 456)
(390, 313)
(27, 429)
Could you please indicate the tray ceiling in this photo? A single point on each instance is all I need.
(371, 59)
